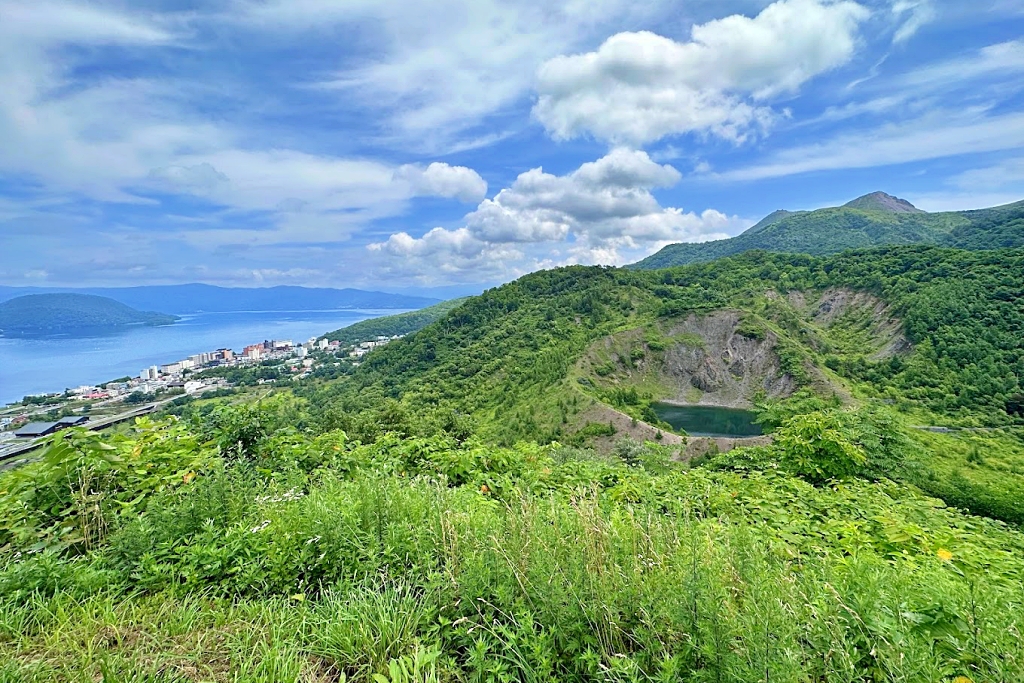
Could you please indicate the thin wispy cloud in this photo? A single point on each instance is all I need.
(462, 141)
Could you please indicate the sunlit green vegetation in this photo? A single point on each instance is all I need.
(393, 325)
(241, 547)
(436, 515)
(832, 230)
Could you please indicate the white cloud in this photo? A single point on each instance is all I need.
(941, 134)
(999, 183)
(198, 179)
(52, 22)
(603, 212)
(1005, 58)
(120, 139)
(917, 13)
(640, 87)
(441, 180)
(540, 206)
(1006, 173)
(438, 70)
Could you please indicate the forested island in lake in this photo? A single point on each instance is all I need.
(37, 315)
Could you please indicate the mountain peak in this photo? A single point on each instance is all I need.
(773, 217)
(880, 201)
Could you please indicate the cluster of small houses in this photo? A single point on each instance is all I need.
(168, 376)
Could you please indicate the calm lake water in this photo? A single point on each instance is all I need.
(31, 366)
(709, 420)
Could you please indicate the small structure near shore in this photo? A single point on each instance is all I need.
(36, 429)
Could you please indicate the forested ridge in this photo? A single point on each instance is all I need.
(962, 311)
(832, 230)
(439, 512)
(62, 313)
(392, 325)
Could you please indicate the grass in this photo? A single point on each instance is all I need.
(696, 575)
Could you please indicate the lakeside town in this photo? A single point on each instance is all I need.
(39, 415)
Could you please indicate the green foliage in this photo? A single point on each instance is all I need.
(832, 230)
(393, 325)
(83, 484)
(819, 447)
(416, 559)
(771, 414)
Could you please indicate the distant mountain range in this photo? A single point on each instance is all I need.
(54, 314)
(876, 219)
(199, 298)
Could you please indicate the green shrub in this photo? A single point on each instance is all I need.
(819, 446)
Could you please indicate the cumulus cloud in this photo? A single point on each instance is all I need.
(638, 87)
(603, 212)
(442, 68)
(441, 180)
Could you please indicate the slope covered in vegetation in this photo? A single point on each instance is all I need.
(241, 547)
(418, 519)
(499, 355)
(865, 222)
(519, 362)
(393, 325)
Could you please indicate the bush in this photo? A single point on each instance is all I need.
(818, 446)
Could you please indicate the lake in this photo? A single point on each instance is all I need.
(32, 366)
(709, 420)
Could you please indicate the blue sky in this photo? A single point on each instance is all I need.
(449, 145)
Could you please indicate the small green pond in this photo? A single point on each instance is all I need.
(709, 420)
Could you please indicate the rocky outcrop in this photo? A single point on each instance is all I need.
(884, 328)
(726, 367)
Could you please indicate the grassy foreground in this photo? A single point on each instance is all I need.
(241, 550)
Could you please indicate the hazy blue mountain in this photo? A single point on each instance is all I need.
(877, 219)
(50, 314)
(196, 298)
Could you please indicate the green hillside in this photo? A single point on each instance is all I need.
(498, 353)
(45, 314)
(459, 508)
(393, 325)
(874, 220)
(578, 355)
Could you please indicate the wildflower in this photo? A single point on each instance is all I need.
(189, 477)
(260, 527)
(298, 597)
(945, 556)
(484, 489)
(962, 679)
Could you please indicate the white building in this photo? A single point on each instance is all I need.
(323, 344)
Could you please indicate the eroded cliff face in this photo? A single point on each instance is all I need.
(730, 357)
(883, 330)
(718, 365)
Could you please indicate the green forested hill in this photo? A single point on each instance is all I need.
(41, 314)
(403, 524)
(496, 355)
(935, 334)
(392, 325)
(865, 222)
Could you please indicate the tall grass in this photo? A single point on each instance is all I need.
(555, 569)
